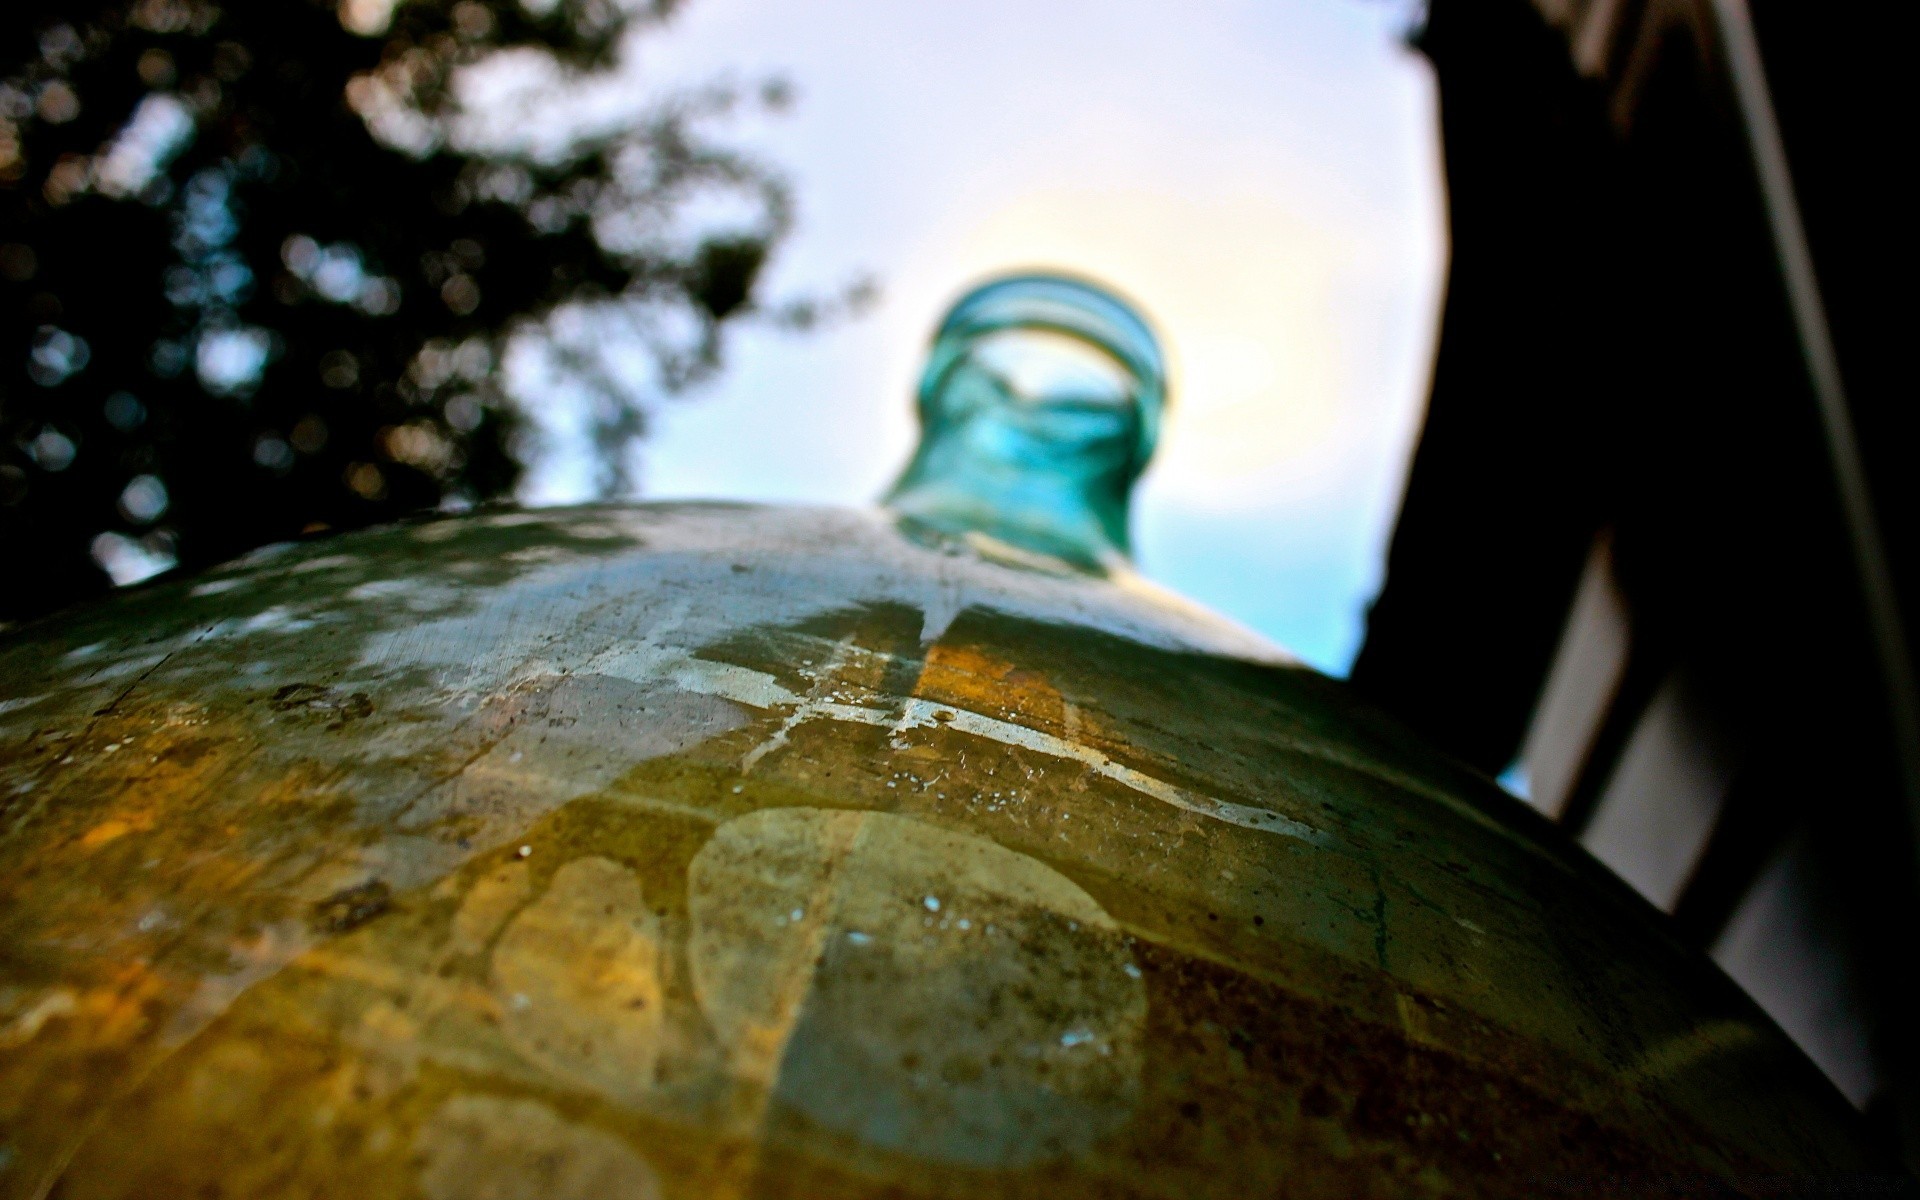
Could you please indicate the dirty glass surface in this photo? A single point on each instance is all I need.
(701, 850)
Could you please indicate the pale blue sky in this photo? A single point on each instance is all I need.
(1262, 178)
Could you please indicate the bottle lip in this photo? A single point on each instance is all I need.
(1062, 304)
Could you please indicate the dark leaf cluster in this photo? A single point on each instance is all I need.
(256, 280)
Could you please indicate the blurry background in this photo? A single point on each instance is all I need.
(1262, 179)
(281, 268)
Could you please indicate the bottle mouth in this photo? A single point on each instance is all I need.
(1071, 314)
(1040, 406)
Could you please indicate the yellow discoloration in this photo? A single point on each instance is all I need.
(1076, 902)
(577, 974)
(114, 827)
(759, 897)
(916, 987)
(1413, 1019)
(488, 1148)
(59, 1002)
(971, 677)
(488, 905)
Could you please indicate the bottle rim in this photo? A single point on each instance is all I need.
(1064, 304)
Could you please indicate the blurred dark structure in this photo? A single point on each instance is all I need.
(254, 281)
(1658, 547)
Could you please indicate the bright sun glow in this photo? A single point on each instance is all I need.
(1241, 294)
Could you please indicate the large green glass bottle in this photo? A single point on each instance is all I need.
(705, 850)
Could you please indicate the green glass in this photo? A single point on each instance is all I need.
(1039, 408)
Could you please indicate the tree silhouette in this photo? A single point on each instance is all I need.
(259, 267)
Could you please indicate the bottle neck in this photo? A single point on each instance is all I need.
(1039, 408)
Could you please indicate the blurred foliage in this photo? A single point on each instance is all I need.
(258, 270)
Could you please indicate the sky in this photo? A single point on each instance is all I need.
(1261, 179)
